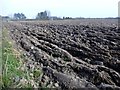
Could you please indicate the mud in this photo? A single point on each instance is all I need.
(72, 54)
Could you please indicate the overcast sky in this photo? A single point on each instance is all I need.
(72, 8)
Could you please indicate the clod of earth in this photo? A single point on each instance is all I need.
(71, 53)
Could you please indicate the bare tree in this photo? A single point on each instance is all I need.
(43, 15)
(19, 16)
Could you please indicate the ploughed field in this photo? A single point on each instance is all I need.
(71, 53)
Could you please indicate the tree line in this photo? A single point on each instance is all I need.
(45, 15)
(42, 15)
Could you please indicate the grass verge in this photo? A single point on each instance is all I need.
(13, 75)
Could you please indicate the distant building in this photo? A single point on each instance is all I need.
(5, 18)
(55, 18)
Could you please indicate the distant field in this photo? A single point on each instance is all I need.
(104, 22)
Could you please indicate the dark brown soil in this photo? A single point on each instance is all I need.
(73, 53)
